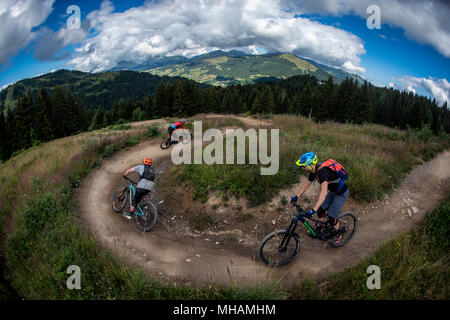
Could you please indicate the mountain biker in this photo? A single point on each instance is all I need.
(145, 185)
(176, 125)
(333, 190)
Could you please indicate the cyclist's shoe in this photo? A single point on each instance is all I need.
(128, 215)
(336, 235)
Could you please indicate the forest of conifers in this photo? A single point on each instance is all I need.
(49, 114)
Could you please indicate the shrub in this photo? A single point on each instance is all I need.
(152, 131)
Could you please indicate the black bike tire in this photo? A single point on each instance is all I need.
(355, 223)
(154, 218)
(118, 210)
(164, 145)
(283, 262)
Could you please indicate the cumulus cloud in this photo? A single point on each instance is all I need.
(50, 45)
(426, 22)
(438, 88)
(350, 67)
(17, 19)
(182, 27)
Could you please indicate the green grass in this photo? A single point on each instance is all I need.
(413, 266)
(49, 236)
(376, 158)
(202, 221)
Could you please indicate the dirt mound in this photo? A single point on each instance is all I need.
(175, 250)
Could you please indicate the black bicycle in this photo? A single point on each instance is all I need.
(281, 246)
(145, 212)
(168, 142)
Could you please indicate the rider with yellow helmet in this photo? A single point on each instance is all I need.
(333, 191)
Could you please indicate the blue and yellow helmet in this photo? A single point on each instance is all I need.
(307, 159)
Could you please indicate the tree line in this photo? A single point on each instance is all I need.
(47, 117)
(42, 119)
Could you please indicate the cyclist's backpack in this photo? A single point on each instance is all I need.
(148, 174)
(339, 169)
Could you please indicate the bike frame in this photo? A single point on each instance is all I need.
(132, 193)
(303, 218)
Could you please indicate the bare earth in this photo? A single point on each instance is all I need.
(191, 258)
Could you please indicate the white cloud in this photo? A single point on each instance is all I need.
(50, 45)
(17, 19)
(350, 67)
(437, 88)
(426, 22)
(410, 88)
(182, 27)
(391, 85)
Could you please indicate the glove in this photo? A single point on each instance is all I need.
(294, 199)
(311, 212)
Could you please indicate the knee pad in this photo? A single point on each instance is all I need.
(321, 212)
(332, 221)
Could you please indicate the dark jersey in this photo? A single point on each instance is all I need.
(327, 174)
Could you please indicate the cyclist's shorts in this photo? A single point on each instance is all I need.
(334, 203)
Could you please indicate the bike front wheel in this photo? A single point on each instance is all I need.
(348, 223)
(166, 143)
(278, 248)
(146, 220)
(120, 198)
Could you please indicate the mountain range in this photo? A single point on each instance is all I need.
(137, 80)
(235, 67)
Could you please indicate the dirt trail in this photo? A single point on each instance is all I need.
(201, 262)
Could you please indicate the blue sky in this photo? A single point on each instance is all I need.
(400, 54)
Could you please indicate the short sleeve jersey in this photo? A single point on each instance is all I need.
(143, 183)
(327, 174)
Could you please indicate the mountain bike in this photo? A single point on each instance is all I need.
(145, 213)
(168, 142)
(280, 247)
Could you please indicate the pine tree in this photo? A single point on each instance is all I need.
(10, 137)
(62, 113)
(3, 142)
(306, 101)
(42, 125)
(149, 110)
(24, 121)
(179, 99)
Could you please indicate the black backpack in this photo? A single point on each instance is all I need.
(148, 174)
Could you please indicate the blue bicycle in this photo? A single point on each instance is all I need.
(145, 213)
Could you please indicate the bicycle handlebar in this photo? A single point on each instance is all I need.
(299, 209)
(125, 177)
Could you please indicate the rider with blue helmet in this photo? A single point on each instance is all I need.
(333, 191)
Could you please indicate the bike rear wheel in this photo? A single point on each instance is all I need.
(120, 198)
(278, 248)
(166, 143)
(146, 221)
(349, 223)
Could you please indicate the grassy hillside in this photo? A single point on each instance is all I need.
(42, 232)
(224, 69)
(37, 194)
(376, 157)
